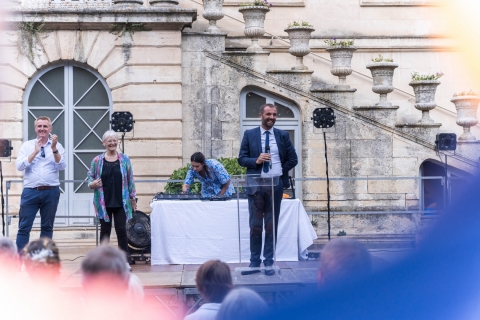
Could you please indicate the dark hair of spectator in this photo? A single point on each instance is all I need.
(214, 280)
(200, 158)
(41, 253)
(105, 260)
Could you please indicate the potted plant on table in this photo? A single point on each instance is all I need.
(382, 72)
(466, 104)
(299, 34)
(254, 15)
(424, 86)
(341, 53)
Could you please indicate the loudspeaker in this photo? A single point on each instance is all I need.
(5, 148)
(446, 141)
(323, 118)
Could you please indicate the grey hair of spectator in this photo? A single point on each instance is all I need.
(105, 261)
(109, 134)
(240, 304)
(8, 248)
(343, 260)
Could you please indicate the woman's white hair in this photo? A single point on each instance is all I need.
(109, 134)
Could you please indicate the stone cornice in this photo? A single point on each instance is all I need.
(155, 18)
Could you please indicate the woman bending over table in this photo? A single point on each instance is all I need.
(212, 175)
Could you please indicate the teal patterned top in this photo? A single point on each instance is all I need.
(128, 185)
(212, 183)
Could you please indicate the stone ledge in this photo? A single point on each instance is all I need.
(330, 90)
(205, 34)
(290, 71)
(368, 108)
(418, 125)
(245, 53)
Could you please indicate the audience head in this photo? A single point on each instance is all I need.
(8, 254)
(343, 260)
(104, 268)
(214, 280)
(42, 259)
(242, 303)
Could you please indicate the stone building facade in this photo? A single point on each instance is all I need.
(193, 91)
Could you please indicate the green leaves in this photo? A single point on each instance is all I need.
(120, 29)
(29, 37)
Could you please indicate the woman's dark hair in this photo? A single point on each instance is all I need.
(200, 158)
(214, 280)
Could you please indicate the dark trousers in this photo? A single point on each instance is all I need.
(120, 222)
(33, 200)
(260, 210)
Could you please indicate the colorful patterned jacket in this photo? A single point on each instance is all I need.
(128, 185)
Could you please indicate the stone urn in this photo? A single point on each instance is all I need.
(212, 11)
(425, 97)
(164, 3)
(382, 73)
(466, 114)
(254, 17)
(341, 64)
(128, 2)
(299, 44)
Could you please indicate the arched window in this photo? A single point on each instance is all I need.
(79, 103)
(288, 119)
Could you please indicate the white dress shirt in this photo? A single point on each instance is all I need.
(276, 168)
(41, 171)
(208, 311)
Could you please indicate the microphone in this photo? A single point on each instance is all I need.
(267, 150)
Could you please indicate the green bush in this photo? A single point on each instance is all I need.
(230, 164)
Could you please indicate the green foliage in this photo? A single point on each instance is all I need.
(380, 58)
(466, 93)
(120, 29)
(29, 37)
(341, 233)
(343, 43)
(230, 164)
(256, 3)
(314, 222)
(300, 24)
(419, 77)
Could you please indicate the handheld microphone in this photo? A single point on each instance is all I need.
(267, 150)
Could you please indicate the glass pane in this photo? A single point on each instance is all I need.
(91, 117)
(54, 81)
(97, 96)
(82, 81)
(103, 126)
(40, 97)
(283, 111)
(80, 129)
(81, 164)
(91, 142)
(58, 124)
(62, 184)
(253, 102)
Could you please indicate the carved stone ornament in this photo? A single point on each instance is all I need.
(164, 3)
(254, 17)
(212, 11)
(341, 64)
(13, 3)
(382, 73)
(466, 114)
(299, 44)
(128, 2)
(425, 97)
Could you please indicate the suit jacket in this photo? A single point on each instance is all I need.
(252, 147)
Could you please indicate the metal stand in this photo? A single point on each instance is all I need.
(328, 186)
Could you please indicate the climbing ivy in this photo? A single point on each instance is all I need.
(129, 28)
(29, 36)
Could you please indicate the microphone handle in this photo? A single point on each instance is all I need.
(267, 150)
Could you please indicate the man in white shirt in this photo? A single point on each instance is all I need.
(41, 159)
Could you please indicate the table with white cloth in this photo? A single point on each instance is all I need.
(194, 231)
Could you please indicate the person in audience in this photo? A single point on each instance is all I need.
(111, 176)
(214, 282)
(240, 304)
(214, 178)
(42, 260)
(8, 255)
(343, 260)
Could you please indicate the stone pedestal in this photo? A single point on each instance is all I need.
(301, 79)
(469, 149)
(128, 2)
(164, 3)
(424, 131)
(343, 97)
(257, 61)
(385, 115)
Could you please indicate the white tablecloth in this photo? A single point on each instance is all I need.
(193, 231)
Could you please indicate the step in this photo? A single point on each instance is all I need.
(371, 241)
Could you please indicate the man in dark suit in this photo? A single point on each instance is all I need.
(266, 151)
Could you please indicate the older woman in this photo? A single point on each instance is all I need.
(111, 177)
(214, 178)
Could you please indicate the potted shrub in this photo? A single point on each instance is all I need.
(254, 16)
(466, 104)
(212, 11)
(382, 72)
(299, 35)
(341, 53)
(424, 86)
